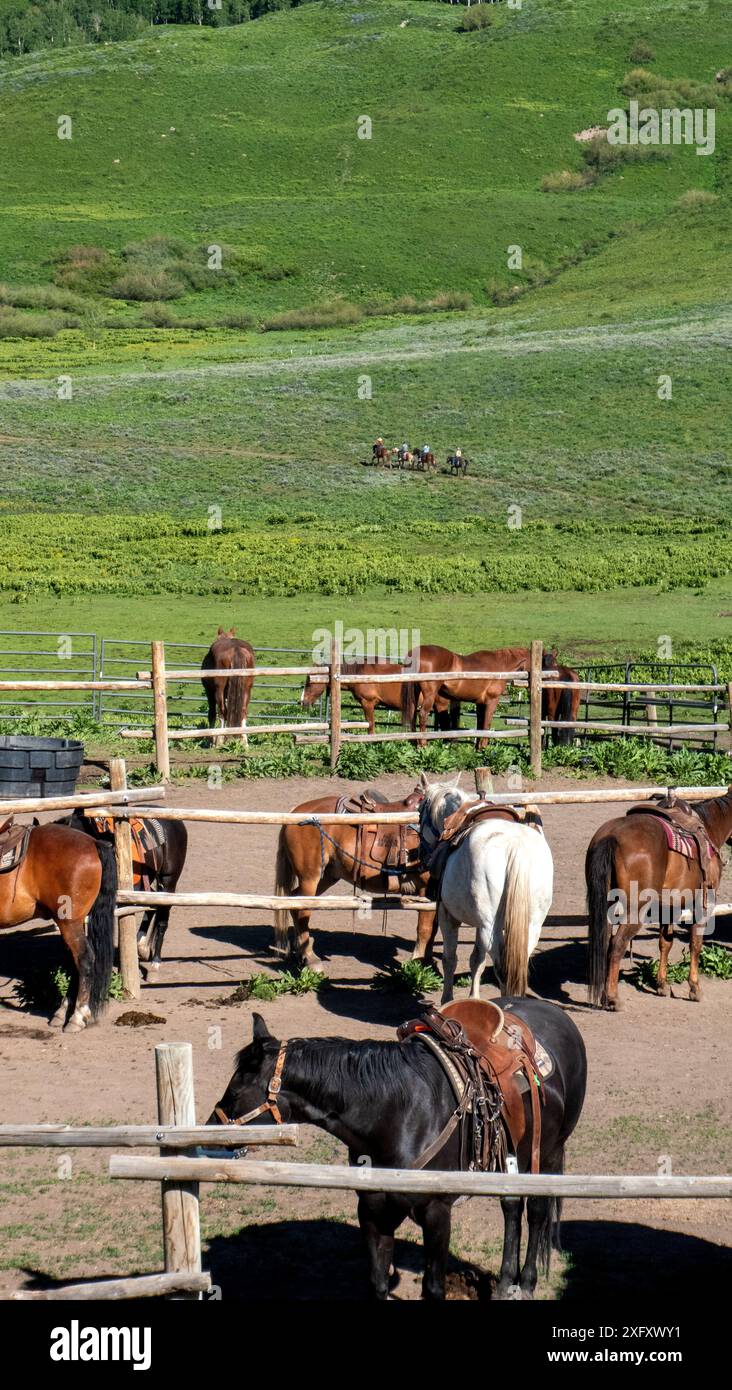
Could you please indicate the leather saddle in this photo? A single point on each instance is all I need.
(458, 826)
(686, 832)
(13, 844)
(511, 1060)
(148, 848)
(393, 850)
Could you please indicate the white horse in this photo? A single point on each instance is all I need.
(499, 881)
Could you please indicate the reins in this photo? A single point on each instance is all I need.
(270, 1104)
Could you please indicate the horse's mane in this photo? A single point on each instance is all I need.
(341, 1072)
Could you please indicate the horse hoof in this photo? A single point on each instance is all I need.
(613, 1006)
(74, 1025)
(57, 1020)
(663, 991)
(695, 994)
(143, 950)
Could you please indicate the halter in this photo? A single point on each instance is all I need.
(273, 1090)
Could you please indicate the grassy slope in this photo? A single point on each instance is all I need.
(555, 398)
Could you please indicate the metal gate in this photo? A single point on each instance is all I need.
(47, 656)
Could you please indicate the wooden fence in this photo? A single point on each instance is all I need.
(131, 901)
(180, 1175)
(337, 731)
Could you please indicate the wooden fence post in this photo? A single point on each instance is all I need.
(176, 1106)
(160, 703)
(535, 731)
(334, 688)
(729, 712)
(129, 963)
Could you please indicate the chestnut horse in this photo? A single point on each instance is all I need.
(559, 704)
(70, 879)
(630, 855)
(372, 692)
(310, 860)
(228, 696)
(458, 685)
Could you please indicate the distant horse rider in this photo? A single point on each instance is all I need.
(404, 452)
(377, 449)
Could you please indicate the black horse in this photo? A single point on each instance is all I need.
(163, 857)
(388, 1101)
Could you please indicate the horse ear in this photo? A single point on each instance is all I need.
(220, 632)
(260, 1031)
(423, 781)
(230, 633)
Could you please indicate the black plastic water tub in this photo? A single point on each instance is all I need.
(38, 766)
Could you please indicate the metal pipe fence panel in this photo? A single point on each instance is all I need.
(47, 655)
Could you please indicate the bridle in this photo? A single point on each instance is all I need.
(273, 1090)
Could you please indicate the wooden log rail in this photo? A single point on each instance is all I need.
(297, 727)
(272, 902)
(90, 802)
(138, 1286)
(576, 797)
(144, 1136)
(419, 1182)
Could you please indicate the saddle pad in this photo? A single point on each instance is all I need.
(681, 842)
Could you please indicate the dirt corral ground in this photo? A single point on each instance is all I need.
(658, 1096)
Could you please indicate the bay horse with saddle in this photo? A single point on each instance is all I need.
(56, 873)
(228, 696)
(377, 859)
(465, 1088)
(159, 850)
(647, 868)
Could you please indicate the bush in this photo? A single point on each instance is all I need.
(566, 181)
(141, 285)
(476, 17)
(85, 269)
(159, 316)
(236, 320)
(407, 304)
(40, 297)
(641, 52)
(333, 313)
(14, 325)
(697, 198)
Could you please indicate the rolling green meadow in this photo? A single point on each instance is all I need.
(170, 463)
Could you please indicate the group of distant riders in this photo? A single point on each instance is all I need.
(422, 459)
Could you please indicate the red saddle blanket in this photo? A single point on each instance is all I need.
(682, 842)
(146, 850)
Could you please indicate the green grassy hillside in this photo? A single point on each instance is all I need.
(247, 138)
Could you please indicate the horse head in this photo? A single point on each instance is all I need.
(314, 687)
(254, 1088)
(439, 801)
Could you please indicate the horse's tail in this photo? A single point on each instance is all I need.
(100, 930)
(599, 867)
(234, 701)
(516, 914)
(409, 704)
(285, 880)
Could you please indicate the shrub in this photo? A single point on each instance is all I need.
(476, 17)
(40, 297)
(236, 320)
(16, 325)
(331, 314)
(641, 52)
(697, 198)
(159, 316)
(142, 285)
(566, 181)
(85, 269)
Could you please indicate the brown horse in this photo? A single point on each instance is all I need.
(559, 704)
(381, 455)
(228, 696)
(70, 879)
(372, 692)
(310, 860)
(629, 863)
(458, 685)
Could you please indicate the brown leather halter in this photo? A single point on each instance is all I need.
(273, 1090)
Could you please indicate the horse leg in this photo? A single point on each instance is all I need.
(539, 1213)
(144, 934)
(426, 706)
(78, 1011)
(665, 942)
(484, 713)
(478, 962)
(508, 1278)
(449, 927)
(302, 953)
(378, 1222)
(156, 935)
(695, 945)
(426, 933)
(435, 1219)
(616, 951)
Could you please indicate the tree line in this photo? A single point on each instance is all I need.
(60, 23)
